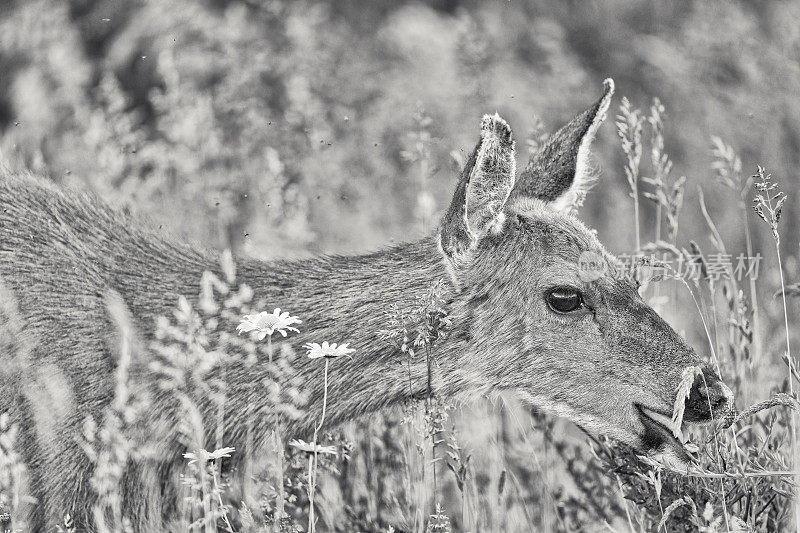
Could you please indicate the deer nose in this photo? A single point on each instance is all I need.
(709, 398)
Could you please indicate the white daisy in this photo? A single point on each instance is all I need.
(310, 447)
(205, 455)
(330, 351)
(268, 323)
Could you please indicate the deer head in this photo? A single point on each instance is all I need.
(580, 344)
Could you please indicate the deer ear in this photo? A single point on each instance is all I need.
(482, 191)
(559, 173)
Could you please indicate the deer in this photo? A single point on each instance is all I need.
(522, 318)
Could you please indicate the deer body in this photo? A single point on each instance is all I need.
(505, 249)
(61, 303)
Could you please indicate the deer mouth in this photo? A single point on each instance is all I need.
(649, 416)
(658, 440)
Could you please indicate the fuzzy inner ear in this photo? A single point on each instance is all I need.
(559, 173)
(482, 191)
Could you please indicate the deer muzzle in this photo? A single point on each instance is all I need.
(709, 398)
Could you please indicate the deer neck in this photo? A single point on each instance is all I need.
(360, 300)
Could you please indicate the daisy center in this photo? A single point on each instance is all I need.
(268, 321)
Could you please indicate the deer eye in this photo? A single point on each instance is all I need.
(564, 299)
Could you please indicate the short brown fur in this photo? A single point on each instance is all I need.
(62, 251)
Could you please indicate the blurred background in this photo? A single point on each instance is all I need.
(283, 128)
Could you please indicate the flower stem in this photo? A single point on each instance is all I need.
(209, 525)
(324, 400)
(311, 492)
(218, 492)
(792, 416)
(279, 504)
(793, 419)
(312, 459)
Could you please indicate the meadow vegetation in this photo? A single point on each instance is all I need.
(280, 129)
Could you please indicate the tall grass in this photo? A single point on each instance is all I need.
(430, 467)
